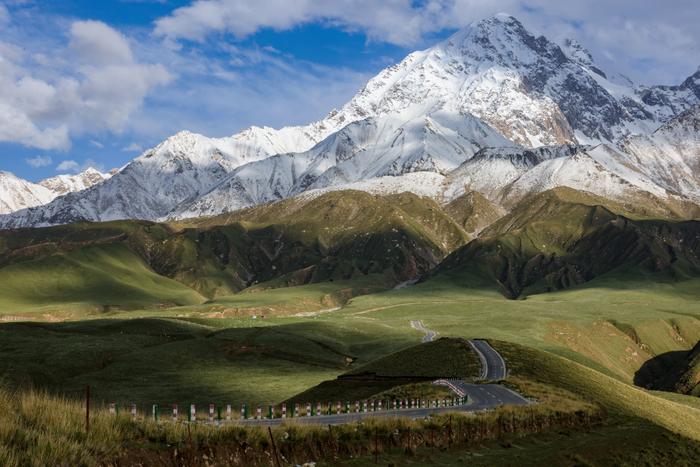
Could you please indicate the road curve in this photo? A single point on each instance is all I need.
(481, 396)
(493, 367)
(429, 334)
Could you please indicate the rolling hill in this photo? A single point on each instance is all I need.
(562, 238)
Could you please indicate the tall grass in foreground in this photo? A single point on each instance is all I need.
(38, 429)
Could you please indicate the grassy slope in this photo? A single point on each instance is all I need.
(613, 324)
(443, 358)
(561, 238)
(607, 327)
(368, 241)
(226, 359)
(89, 278)
(170, 360)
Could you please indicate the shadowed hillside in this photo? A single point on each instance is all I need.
(562, 238)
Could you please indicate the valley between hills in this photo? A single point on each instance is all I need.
(590, 304)
(496, 186)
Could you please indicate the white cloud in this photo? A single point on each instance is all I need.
(97, 144)
(95, 84)
(133, 147)
(264, 89)
(68, 166)
(396, 21)
(98, 43)
(39, 161)
(648, 39)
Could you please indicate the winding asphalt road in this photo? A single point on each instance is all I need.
(481, 396)
(493, 367)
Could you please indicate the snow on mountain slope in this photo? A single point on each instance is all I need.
(524, 87)
(491, 84)
(63, 184)
(665, 102)
(506, 175)
(16, 193)
(671, 154)
(437, 142)
(492, 169)
(182, 167)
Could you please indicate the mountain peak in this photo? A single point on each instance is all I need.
(91, 171)
(502, 40)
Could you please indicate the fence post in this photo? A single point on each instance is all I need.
(133, 411)
(193, 413)
(211, 413)
(112, 408)
(284, 410)
(357, 406)
(274, 448)
(87, 408)
(258, 413)
(308, 409)
(319, 410)
(175, 412)
(228, 412)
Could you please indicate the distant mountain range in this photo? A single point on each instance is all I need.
(17, 194)
(493, 109)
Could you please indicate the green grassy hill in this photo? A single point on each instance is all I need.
(93, 278)
(340, 236)
(561, 238)
(400, 372)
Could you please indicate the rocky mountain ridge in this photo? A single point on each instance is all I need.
(492, 109)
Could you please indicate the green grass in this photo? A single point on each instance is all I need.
(442, 358)
(38, 429)
(86, 280)
(169, 360)
(608, 445)
(399, 372)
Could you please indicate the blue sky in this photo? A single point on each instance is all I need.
(86, 82)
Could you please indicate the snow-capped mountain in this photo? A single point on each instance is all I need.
(17, 193)
(493, 109)
(671, 154)
(490, 85)
(63, 184)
